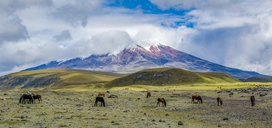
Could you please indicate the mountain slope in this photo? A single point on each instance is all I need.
(138, 58)
(55, 78)
(169, 76)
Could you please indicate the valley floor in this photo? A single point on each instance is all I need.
(133, 109)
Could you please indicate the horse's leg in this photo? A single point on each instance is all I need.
(103, 103)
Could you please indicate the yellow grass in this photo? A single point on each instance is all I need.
(219, 86)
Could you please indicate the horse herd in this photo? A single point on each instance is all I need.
(31, 97)
(198, 99)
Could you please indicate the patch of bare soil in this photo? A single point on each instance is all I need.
(133, 109)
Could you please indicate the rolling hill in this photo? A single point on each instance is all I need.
(55, 78)
(170, 76)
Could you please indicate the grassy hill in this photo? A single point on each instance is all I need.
(257, 79)
(55, 78)
(169, 76)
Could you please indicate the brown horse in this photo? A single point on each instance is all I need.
(99, 99)
(101, 94)
(148, 94)
(198, 98)
(39, 97)
(161, 100)
(219, 101)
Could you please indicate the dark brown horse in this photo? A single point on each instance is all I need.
(26, 98)
(101, 94)
(39, 97)
(148, 94)
(252, 100)
(198, 98)
(99, 99)
(162, 100)
(219, 101)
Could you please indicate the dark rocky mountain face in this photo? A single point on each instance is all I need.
(138, 58)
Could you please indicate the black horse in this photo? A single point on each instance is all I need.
(26, 98)
(99, 99)
(252, 100)
(161, 100)
(219, 101)
(148, 94)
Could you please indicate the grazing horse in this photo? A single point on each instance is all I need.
(101, 94)
(99, 99)
(161, 100)
(252, 99)
(26, 98)
(219, 101)
(39, 97)
(148, 94)
(198, 98)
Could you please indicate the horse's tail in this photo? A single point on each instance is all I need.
(201, 100)
(41, 97)
(164, 102)
(95, 103)
(20, 101)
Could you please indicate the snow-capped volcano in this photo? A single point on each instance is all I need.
(136, 58)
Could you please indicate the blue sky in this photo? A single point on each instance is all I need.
(232, 33)
(147, 7)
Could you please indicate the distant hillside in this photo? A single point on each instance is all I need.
(257, 79)
(169, 76)
(54, 78)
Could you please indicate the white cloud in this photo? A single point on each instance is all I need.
(234, 33)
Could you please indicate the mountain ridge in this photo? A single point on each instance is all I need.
(133, 59)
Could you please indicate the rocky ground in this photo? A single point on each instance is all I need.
(133, 109)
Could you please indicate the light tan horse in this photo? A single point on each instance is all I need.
(101, 94)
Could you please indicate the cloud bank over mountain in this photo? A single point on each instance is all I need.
(232, 33)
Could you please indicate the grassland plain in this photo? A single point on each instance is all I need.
(73, 107)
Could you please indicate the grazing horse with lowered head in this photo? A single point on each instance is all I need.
(26, 98)
(99, 99)
(101, 94)
(198, 98)
(162, 100)
(148, 94)
(39, 97)
(219, 101)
